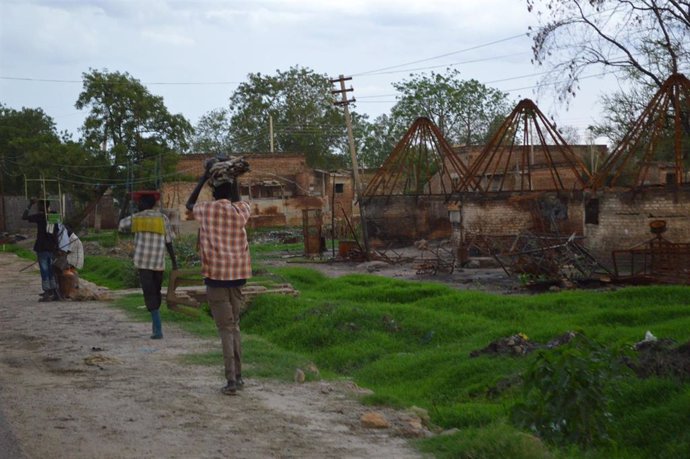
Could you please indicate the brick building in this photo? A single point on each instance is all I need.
(278, 187)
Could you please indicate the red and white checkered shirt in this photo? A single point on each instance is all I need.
(223, 239)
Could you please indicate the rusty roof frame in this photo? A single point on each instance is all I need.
(421, 155)
(527, 119)
(645, 135)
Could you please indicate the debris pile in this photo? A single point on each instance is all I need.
(661, 357)
(552, 258)
(519, 344)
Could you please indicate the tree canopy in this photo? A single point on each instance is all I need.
(31, 149)
(212, 133)
(646, 39)
(129, 131)
(300, 103)
(465, 111)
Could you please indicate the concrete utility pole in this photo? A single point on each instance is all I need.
(270, 131)
(345, 102)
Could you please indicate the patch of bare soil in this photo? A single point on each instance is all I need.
(411, 265)
(82, 380)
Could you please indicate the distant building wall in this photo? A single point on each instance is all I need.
(512, 213)
(622, 219)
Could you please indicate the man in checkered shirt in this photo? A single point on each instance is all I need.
(152, 237)
(225, 260)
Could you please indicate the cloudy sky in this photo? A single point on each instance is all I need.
(193, 53)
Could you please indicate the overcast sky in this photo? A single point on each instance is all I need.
(194, 53)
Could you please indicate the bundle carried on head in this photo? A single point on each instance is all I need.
(227, 170)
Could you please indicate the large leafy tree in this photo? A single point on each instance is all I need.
(300, 104)
(129, 131)
(465, 111)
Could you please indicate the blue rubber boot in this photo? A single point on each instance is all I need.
(156, 325)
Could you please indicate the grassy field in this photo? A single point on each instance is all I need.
(410, 342)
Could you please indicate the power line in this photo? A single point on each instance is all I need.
(451, 64)
(483, 45)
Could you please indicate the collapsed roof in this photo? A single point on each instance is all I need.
(525, 154)
(422, 163)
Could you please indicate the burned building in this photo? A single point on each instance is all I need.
(278, 186)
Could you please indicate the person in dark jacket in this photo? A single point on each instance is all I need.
(45, 247)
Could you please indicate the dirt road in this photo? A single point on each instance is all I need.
(82, 380)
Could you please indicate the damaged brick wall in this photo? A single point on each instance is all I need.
(511, 214)
(623, 219)
(407, 218)
(265, 212)
(279, 186)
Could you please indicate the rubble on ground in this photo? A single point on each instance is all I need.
(661, 357)
(519, 344)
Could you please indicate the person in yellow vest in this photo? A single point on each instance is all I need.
(152, 236)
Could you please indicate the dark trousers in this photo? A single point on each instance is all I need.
(151, 282)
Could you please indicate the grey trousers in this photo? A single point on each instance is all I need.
(225, 306)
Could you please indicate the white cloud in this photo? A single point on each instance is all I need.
(206, 41)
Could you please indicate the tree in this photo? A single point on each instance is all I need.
(620, 110)
(377, 139)
(130, 132)
(31, 148)
(212, 133)
(304, 118)
(645, 39)
(465, 111)
(28, 146)
(570, 134)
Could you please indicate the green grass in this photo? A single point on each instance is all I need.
(21, 252)
(110, 272)
(106, 238)
(410, 343)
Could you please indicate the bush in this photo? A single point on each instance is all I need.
(186, 252)
(565, 394)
